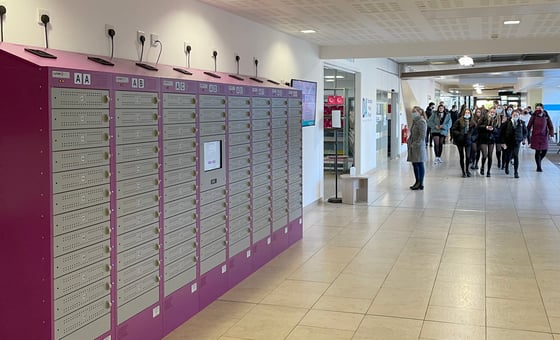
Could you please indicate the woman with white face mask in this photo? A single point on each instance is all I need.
(512, 133)
(462, 132)
(439, 123)
(488, 133)
(417, 153)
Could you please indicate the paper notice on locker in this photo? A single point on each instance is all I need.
(336, 119)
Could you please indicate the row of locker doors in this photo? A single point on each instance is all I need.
(153, 189)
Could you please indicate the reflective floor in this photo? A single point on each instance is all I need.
(466, 258)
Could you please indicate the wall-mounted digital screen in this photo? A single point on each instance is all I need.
(212, 155)
(309, 100)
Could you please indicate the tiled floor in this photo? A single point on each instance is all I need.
(467, 258)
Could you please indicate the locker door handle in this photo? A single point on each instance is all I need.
(105, 118)
(106, 99)
(155, 100)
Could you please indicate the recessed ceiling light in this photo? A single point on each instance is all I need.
(308, 31)
(511, 22)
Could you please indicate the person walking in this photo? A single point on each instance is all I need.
(542, 130)
(512, 133)
(475, 148)
(417, 153)
(428, 114)
(462, 132)
(439, 123)
(488, 134)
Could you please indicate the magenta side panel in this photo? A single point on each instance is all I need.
(262, 253)
(295, 232)
(212, 285)
(240, 266)
(141, 326)
(280, 241)
(178, 307)
(27, 283)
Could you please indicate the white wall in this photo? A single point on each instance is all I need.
(79, 25)
(372, 75)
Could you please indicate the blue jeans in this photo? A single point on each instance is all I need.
(419, 172)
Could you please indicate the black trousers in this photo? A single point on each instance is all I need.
(512, 152)
(464, 156)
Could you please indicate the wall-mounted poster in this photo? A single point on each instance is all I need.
(367, 108)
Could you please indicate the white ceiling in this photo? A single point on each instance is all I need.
(422, 35)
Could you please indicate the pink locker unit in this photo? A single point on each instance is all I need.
(134, 197)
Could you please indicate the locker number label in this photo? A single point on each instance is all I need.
(180, 86)
(138, 83)
(248, 253)
(82, 79)
(224, 268)
(194, 288)
(155, 311)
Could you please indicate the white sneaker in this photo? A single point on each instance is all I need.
(439, 160)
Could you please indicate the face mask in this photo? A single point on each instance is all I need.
(515, 119)
(467, 116)
(415, 114)
(509, 111)
(498, 111)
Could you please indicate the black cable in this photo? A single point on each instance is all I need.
(142, 40)
(160, 49)
(2, 12)
(189, 49)
(215, 56)
(237, 58)
(112, 34)
(45, 20)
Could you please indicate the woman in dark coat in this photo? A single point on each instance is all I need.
(417, 147)
(541, 129)
(512, 133)
(462, 132)
(488, 134)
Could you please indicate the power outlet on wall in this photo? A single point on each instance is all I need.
(153, 38)
(140, 34)
(107, 28)
(185, 44)
(40, 13)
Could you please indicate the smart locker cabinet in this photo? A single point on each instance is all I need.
(131, 198)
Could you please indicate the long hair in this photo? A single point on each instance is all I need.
(420, 111)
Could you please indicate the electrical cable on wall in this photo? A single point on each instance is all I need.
(2, 12)
(45, 20)
(160, 50)
(111, 32)
(188, 51)
(142, 41)
(215, 56)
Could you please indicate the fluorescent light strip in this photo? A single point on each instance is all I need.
(308, 31)
(511, 22)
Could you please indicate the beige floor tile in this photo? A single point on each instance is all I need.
(466, 241)
(512, 288)
(462, 273)
(513, 271)
(296, 293)
(554, 323)
(448, 331)
(335, 320)
(386, 328)
(246, 294)
(462, 316)
(267, 322)
(317, 271)
(314, 333)
(407, 277)
(211, 322)
(509, 334)
(516, 314)
(464, 255)
(405, 303)
(556, 336)
(458, 295)
(343, 304)
(335, 254)
(354, 286)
